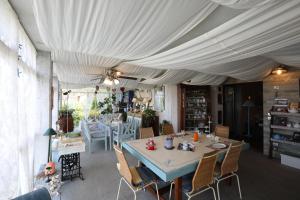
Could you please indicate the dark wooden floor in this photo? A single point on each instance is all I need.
(260, 177)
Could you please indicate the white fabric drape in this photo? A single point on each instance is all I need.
(69, 58)
(250, 69)
(18, 123)
(243, 4)
(289, 55)
(138, 71)
(206, 79)
(254, 32)
(171, 77)
(121, 29)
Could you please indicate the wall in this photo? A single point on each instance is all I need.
(171, 111)
(288, 87)
(214, 105)
(55, 102)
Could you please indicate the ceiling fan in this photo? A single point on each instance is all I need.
(111, 77)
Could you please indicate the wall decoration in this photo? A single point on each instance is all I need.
(159, 99)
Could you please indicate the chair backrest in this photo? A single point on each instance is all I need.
(230, 162)
(129, 119)
(146, 133)
(124, 129)
(222, 131)
(204, 173)
(167, 129)
(123, 165)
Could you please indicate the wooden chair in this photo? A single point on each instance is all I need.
(222, 131)
(167, 129)
(203, 177)
(146, 133)
(131, 175)
(229, 166)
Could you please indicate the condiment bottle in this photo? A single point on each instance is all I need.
(196, 136)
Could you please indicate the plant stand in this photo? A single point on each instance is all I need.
(70, 166)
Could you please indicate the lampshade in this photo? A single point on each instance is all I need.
(116, 81)
(279, 70)
(118, 73)
(107, 81)
(248, 103)
(50, 131)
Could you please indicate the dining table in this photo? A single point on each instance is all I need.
(172, 164)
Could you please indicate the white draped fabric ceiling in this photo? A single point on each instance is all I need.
(85, 37)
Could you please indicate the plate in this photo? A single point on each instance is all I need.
(218, 146)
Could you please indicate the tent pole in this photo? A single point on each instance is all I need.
(50, 107)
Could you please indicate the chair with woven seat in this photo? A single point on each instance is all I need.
(137, 178)
(167, 129)
(229, 166)
(146, 133)
(203, 177)
(222, 131)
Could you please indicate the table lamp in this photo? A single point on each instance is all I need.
(50, 167)
(49, 132)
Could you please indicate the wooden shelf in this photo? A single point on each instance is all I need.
(286, 142)
(287, 114)
(285, 128)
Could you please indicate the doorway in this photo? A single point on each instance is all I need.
(239, 99)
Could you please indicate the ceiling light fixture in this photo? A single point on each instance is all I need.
(112, 77)
(107, 81)
(116, 81)
(118, 73)
(279, 70)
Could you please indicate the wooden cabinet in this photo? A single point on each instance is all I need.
(194, 106)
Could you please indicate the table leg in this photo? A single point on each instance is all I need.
(178, 188)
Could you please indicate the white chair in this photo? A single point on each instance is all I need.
(93, 133)
(123, 133)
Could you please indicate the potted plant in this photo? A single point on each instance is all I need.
(161, 126)
(148, 117)
(65, 119)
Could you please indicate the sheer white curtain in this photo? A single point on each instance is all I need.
(87, 106)
(9, 161)
(17, 106)
(8, 25)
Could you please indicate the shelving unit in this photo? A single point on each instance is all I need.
(284, 146)
(194, 107)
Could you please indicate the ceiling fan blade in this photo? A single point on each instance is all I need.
(127, 77)
(94, 79)
(96, 74)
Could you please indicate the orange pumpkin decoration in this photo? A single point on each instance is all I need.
(50, 168)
